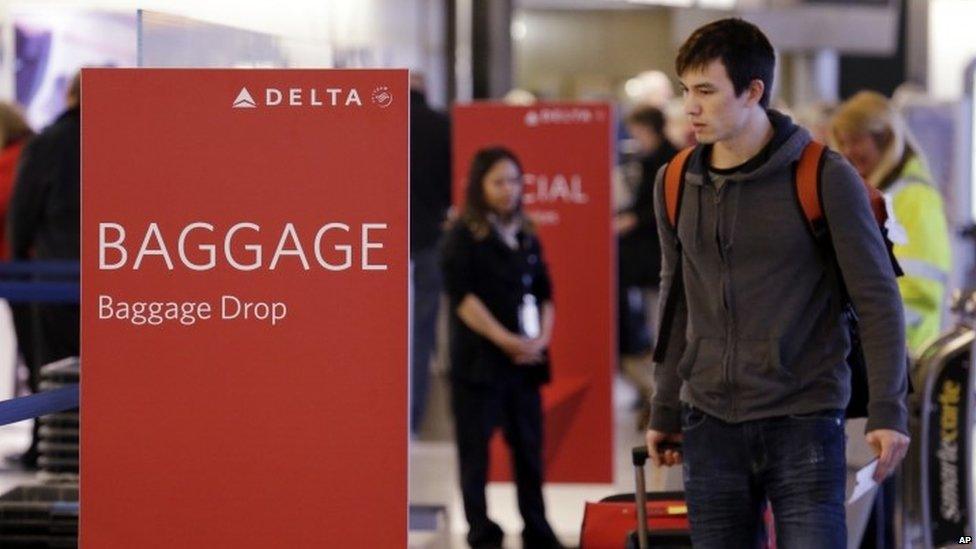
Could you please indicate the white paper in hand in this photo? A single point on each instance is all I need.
(864, 482)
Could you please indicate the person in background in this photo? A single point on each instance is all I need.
(639, 252)
(501, 324)
(677, 127)
(43, 223)
(651, 88)
(871, 134)
(14, 134)
(430, 198)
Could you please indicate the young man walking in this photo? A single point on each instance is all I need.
(754, 380)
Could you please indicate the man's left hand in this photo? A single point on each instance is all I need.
(891, 447)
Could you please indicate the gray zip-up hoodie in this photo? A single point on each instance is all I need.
(760, 331)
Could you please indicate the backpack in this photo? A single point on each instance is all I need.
(807, 182)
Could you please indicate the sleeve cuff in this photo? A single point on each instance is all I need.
(665, 419)
(887, 415)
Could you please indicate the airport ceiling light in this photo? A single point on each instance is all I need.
(519, 29)
(717, 4)
(705, 4)
(672, 3)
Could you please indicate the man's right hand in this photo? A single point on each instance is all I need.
(668, 457)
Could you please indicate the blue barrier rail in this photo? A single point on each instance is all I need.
(40, 282)
(63, 269)
(47, 402)
(20, 290)
(40, 292)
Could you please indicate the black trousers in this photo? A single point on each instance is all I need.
(514, 404)
(56, 331)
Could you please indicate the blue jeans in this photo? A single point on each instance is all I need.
(797, 463)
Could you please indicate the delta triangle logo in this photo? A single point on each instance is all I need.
(244, 100)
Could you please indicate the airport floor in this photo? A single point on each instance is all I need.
(433, 482)
(438, 517)
(14, 439)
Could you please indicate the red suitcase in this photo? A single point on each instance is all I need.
(612, 523)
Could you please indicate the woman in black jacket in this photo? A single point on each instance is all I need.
(502, 318)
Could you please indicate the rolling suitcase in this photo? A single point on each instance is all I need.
(639, 520)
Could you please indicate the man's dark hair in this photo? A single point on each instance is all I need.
(649, 117)
(741, 46)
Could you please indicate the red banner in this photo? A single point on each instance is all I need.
(244, 308)
(565, 150)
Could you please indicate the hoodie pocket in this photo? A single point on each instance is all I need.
(760, 374)
(702, 361)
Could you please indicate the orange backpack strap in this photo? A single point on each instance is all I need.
(808, 187)
(807, 182)
(674, 181)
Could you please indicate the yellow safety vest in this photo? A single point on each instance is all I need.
(925, 257)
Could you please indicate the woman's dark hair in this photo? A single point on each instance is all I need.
(741, 47)
(649, 117)
(475, 213)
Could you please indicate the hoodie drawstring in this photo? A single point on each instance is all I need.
(734, 205)
(698, 217)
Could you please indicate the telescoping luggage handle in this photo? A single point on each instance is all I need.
(640, 455)
(640, 458)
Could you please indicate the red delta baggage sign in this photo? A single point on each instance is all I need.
(566, 152)
(244, 308)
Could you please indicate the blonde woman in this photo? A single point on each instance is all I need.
(872, 135)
